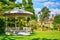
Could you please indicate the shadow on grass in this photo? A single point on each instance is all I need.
(43, 39)
(6, 37)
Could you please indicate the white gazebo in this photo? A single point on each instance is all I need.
(15, 13)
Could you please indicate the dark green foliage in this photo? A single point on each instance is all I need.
(2, 26)
(55, 26)
(11, 22)
(55, 39)
(19, 5)
(12, 0)
(28, 19)
(30, 2)
(4, 1)
(35, 17)
(57, 19)
(6, 5)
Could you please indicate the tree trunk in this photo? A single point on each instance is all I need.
(41, 25)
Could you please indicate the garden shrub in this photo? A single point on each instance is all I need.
(55, 26)
(2, 26)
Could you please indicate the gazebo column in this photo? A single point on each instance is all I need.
(26, 21)
(6, 21)
(19, 22)
(15, 22)
(6, 18)
(29, 22)
(15, 25)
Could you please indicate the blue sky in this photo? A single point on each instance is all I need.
(50, 3)
(53, 5)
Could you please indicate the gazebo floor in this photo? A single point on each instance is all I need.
(18, 33)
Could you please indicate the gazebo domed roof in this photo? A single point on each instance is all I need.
(18, 11)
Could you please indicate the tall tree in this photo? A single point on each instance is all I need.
(12, 0)
(24, 3)
(19, 5)
(44, 14)
(4, 1)
(5, 7)
(8, 5)
(29, 7)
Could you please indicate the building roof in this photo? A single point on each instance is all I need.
(18, 11)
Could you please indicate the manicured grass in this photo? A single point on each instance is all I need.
(37, 35)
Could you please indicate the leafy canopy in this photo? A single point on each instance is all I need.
(44, 13)
(29, 7)
(6, 5)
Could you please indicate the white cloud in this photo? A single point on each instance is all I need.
(37, 10)
(51, 3)
(40, 0)
(55, 11)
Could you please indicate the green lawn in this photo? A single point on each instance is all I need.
(38, 35)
